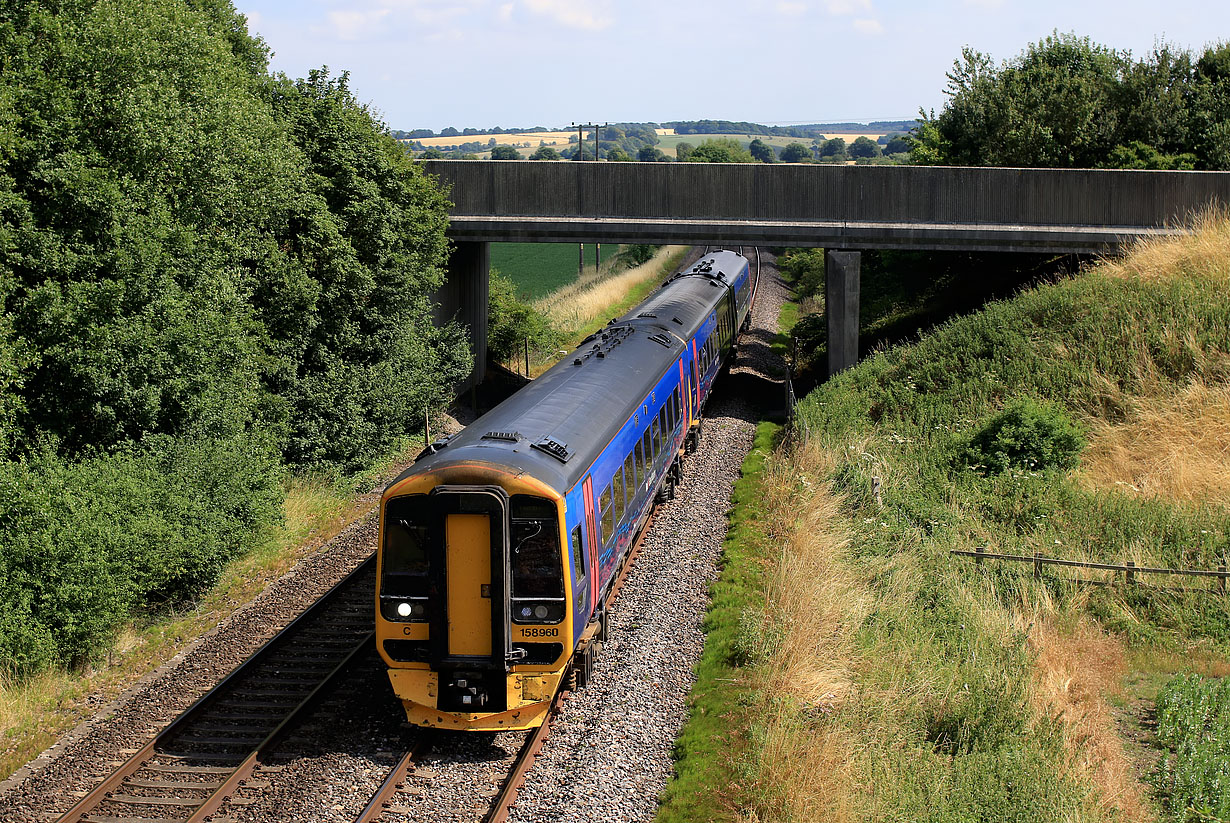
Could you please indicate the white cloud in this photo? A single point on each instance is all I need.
(868, 25)
(254, 20)
(353, 25)
(575, 14)
(506, 12)
(791, 9)
(842, 8)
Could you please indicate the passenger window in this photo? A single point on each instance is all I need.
(578, 554)
(617, 494)
(608, 522)
(630, 476)
(662, 425)
(647, 447)
(657, 439)
(640, 467)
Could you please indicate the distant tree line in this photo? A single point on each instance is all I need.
(1068, 102)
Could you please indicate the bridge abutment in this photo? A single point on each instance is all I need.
(463, 298)
(841, 285)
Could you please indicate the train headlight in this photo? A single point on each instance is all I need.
(526, 611)
(404, 609)
(541, 611)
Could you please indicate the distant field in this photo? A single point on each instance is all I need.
(540, 268)
(551, 138)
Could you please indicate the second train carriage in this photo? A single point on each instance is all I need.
(498, 544)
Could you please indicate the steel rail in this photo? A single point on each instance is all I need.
(394, 781)
(126, 770)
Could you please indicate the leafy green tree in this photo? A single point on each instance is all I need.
(650, 154)
(683, 151)
(505, 153)
(864, 147)
(836, 147)
(761, 151)
(617, 154)
(796, 153)
(1138, 155)
(432, 153)
(545, 153)
(897, 144)
(720, 150)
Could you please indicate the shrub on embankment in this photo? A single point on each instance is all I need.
(208, 273)
(947, 690)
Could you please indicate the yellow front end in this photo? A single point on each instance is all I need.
(527, 689)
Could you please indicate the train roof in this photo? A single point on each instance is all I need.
(556, 426)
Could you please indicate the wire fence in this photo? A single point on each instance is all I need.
(1129, 568)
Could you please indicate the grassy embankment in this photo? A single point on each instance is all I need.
(37, 711)
(876, 676)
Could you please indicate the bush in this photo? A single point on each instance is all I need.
(85, 546)
(1193, 724)
(1027, 434)
(510, 321)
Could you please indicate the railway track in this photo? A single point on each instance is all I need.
(211, 756)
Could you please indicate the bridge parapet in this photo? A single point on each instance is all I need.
(857, 207)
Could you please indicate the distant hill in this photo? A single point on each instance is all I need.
(696, 127)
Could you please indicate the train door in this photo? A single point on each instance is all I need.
(471, 576)
(591, 537)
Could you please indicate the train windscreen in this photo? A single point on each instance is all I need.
(536, 562)
(406, 561)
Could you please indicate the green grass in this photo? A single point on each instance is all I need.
(1193, 724)
(540, 268)
(947, 723)
(707, 768)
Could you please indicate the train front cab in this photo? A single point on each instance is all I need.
(472, 614)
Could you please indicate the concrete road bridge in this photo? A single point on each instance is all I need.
(842, 209)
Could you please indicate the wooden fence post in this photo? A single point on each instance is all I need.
(1130, 576)
(1037, 565)
(978, 550)
(1221, 579)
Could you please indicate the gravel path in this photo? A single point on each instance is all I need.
(609, 753)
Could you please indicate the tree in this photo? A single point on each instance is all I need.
(618, 155)
(864, 147)
(505, 153)
(650, 154)
(796, 153)
(762, 151)
(449, 131)
(432, 154)
(897, 144)
(545, 153)
(720, 150)
(683, 151)
(833, 148)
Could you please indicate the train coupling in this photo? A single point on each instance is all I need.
(468, 692)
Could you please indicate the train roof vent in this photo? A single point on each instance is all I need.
(510, 437)
(647, 314)
(661, 338)
(554, 448)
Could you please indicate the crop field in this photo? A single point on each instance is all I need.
(559, 139)
(540, 268)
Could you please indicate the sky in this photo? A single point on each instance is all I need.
(483, 63)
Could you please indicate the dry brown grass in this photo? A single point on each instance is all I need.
(591, 296)
(1074, 673)
(813, 604)
(1205, 253)
(1175, 447)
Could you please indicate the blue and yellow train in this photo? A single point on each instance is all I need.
(498, 544)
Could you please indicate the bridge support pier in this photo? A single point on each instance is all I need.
(841, 284)
(463, 298)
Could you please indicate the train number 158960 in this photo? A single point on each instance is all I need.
(539, 632)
